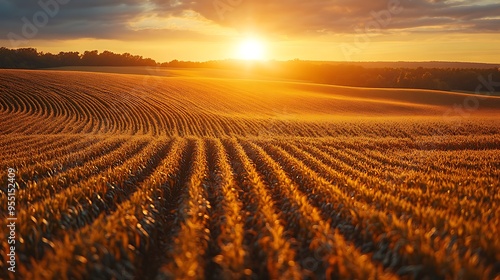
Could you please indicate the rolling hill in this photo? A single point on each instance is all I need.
(123, 176)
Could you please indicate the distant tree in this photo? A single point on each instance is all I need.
(7, 58)
(27, 58)
(90, 58)
(69, 58)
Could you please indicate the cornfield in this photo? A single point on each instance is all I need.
(136, 177)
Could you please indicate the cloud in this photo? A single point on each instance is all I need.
(113, 19)
(341, 16)
(101, 19)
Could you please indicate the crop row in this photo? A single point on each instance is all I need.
(143, 207)
(51, 103)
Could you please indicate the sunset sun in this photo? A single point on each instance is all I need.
(251, 49)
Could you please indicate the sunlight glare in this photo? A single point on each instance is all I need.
(251, 49)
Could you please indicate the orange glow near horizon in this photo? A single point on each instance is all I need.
(472, 48)
(254, 30)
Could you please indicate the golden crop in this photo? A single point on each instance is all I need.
(195, 178)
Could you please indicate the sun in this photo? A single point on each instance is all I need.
(251, 49)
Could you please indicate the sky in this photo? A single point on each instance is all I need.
(201, 30)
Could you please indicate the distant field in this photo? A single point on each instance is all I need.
(198, 175)
(166, 71)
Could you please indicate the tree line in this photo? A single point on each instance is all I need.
(30, 58)
(463, 79)
(458, 79)
(481, 80)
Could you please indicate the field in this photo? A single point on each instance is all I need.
(157, 177)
